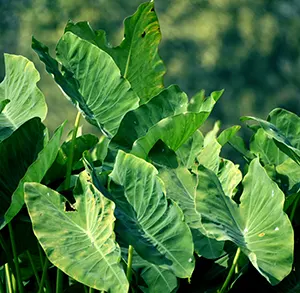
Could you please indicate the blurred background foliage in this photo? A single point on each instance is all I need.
(249, 48)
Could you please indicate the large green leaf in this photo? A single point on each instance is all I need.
(20, 98)
(17, 153)
(285, 137)
(181, 186)
(258, 225)
(288, 123)
(137, 55)
(173, 131)
(92, 80)
(80, 243)
(266, 149)
(168, 102)
(35, 173)
(163, 236)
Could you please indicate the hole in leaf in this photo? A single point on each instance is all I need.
(143, 34)
(69, 207)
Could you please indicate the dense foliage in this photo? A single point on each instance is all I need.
(151, 205)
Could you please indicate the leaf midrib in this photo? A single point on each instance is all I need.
(85, 232)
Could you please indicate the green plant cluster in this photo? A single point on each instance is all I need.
(150, 206)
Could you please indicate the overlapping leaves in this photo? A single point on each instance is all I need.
(164, 238)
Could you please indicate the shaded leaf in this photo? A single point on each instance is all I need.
(17, 153)
(173, 131)
(156, 278)
(188, 152)
(161, 155)
(58, 169)
(35, 173)
(181, 187)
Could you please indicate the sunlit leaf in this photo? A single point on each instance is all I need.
(258, 225)
(80, 243)
(163, 237)
(20, 98)
(137, 55)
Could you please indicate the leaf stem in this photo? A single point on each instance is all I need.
(295, 205)
(129, 264)
(35, 272)
(8, 279)
(231, 271)
(2, 290)
(8, 253)
(71, 156)
(44, 275)
(91, 290)
(16, 261)
(59, 281)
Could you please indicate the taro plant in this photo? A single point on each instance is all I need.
(151, 205)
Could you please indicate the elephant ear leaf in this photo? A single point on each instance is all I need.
(137, 55)
(85, 248)
(284, 134)
(258, 225)
(20, 98)
(92, 80)
(164, 239)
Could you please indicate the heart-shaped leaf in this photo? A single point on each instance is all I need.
(81, 243)
(258, 225)
(163, 236)
(91, 80)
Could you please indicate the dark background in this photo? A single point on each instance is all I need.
(249, 48)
